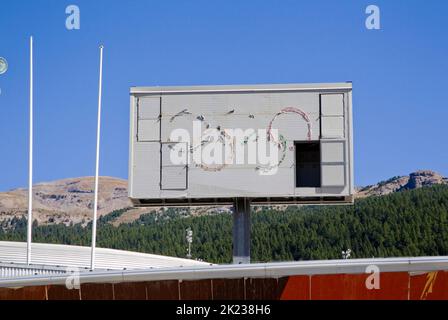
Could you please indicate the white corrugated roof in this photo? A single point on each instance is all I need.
(57, 255)
(415, 265)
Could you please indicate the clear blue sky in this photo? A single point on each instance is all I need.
(399, 73)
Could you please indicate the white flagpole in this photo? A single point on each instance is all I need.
(30, 181)
(95, 206)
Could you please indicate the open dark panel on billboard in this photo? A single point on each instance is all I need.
(307, 165)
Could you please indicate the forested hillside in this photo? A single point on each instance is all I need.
(408, 223)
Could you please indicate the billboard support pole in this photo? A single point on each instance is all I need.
(241, 231)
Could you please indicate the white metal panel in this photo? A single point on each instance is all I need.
(148, 107)
(333, 175)
(211, 122)
(332, 104)
(285, 156)
(236, 121)
(271, 103)
(324, 191)
(148, 130)
(349, 119)
(238, 103)
(332, 115)
(238, 182)
(332, 127)
(235, 153)
(174, 178)
(169, 125)
(292, 126)
(195, 104)
(132, 141)
(181, 152)
(333, 157)
(146, 170)
(332, 151)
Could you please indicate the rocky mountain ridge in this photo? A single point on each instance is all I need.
(70, 201)
(415, 180)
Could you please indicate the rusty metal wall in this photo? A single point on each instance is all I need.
(393, 286)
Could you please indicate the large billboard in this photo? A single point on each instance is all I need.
(289, 143)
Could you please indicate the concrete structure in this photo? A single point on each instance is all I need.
(420, 278)
(314, 144)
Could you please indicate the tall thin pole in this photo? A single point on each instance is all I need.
(97, 165)
(30, 178)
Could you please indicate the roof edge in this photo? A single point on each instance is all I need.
(268, 270)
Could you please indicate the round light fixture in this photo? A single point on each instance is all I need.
(3, 65)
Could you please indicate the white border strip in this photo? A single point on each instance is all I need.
(242, 88)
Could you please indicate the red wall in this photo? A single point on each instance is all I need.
(393, 285)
